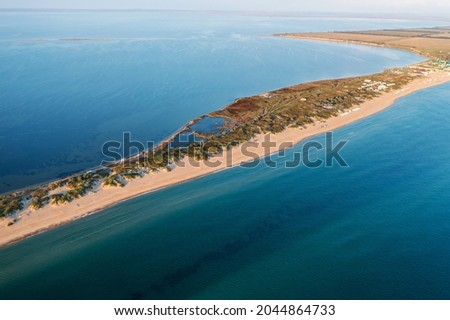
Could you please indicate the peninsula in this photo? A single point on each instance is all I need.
(215, 141)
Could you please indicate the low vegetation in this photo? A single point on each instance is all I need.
(295, 106)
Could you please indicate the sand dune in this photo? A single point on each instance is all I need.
(32, 222)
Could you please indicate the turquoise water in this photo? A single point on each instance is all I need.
(378, 229)
(147, 73)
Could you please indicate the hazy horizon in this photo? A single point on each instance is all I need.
(398, 8)
(266, 13)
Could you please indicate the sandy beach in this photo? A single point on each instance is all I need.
(33, 222)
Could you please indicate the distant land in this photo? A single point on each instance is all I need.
(288, 115)
(258, 13)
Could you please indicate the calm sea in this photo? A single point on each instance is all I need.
(69, 82)
(378, 229)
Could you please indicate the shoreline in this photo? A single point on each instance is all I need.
(35, 222)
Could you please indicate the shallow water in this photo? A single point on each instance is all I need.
(210, 125)
(146, 73)
(378, 229)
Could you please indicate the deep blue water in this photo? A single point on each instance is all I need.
(378, 229)
(147, 73)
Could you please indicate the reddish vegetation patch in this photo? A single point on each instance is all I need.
(245, 104)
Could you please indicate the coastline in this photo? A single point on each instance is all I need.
(34, 222)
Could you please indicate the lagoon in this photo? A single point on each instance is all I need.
(147, 73)
(378, 229)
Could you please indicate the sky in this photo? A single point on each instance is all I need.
(396, 7)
